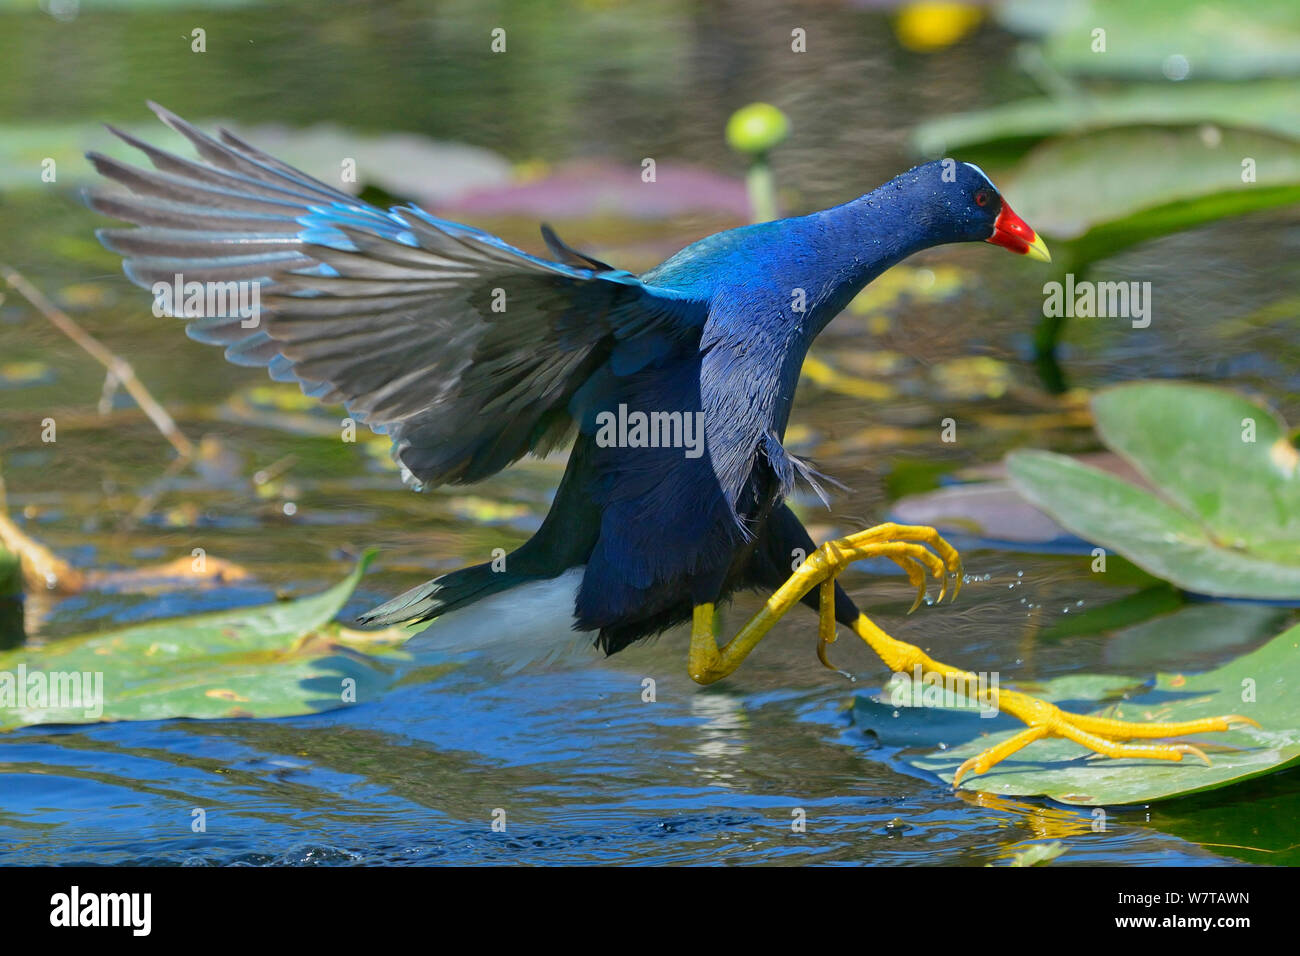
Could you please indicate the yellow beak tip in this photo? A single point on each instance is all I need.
(1038, 250)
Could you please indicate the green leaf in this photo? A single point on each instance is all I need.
(1266, 106)
(1263, 685)
(1224, 516)
(274, 660)
(1212, 453)
(1217, 39)
(1095, 194)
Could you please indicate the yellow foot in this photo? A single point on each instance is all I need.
(1103, 735)
(913, 548)
(908, 546)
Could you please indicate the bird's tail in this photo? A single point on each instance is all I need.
(439, 596)
(513, 620)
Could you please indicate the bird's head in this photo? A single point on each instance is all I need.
(961, 204)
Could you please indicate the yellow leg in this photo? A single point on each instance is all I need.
(906, 545)
(902, 544)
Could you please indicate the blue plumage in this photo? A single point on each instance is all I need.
(470, 353)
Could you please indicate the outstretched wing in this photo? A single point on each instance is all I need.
(462, 348)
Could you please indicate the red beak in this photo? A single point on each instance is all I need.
(1012, 232)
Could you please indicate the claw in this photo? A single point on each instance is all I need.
(916, 575)
(968, 764)
(822, 648)
(1195, 751)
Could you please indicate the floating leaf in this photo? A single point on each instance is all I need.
(274, 660)
(1263, 685)
(990, 511)
(1267, 106)
(1164, 39)
(1224, 516)
(1095, 194)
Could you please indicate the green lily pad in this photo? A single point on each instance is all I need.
(1224, 516)
(1212, 453)
(1263, 685)
(1095, 194)
(1223, 40)
(274, 660)
(1266, 106)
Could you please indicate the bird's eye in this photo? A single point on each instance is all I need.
(983, 197)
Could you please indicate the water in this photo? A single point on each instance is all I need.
(582, 767)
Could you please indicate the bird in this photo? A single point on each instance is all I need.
(672, 391)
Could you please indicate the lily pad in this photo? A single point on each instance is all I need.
(1095, 194)
(1223, 518)
(1164, 39)
(990, 513)
(1265, 106)
(274, 660)
(1263, 685)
